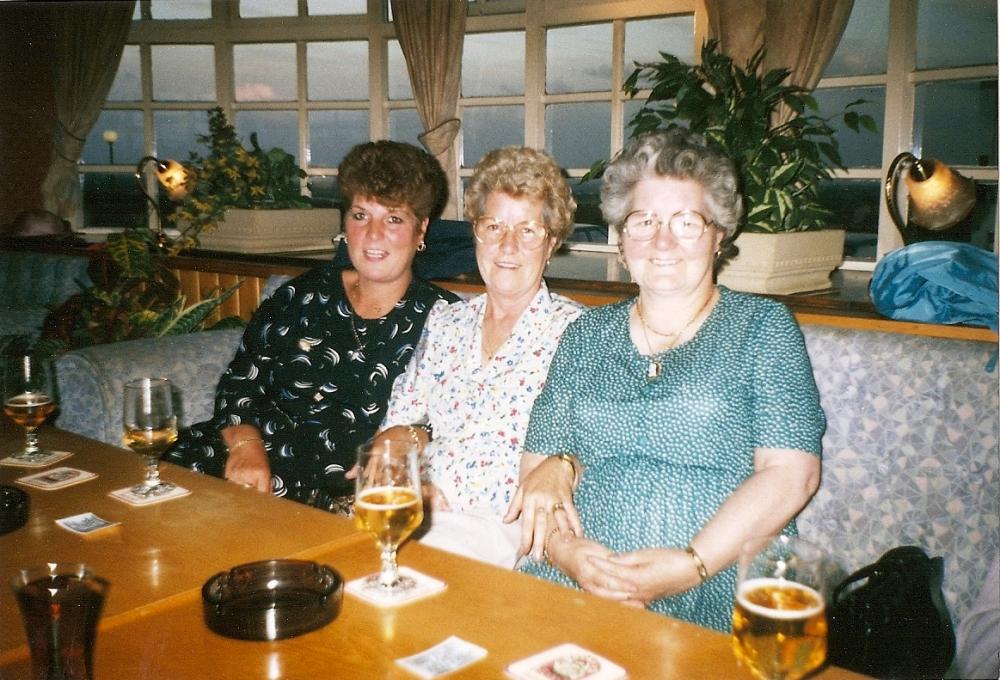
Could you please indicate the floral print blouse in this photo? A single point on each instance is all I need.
(478, 410)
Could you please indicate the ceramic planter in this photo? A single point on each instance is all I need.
(783, 263)
(273, 231)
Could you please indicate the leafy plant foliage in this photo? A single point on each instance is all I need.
(232, 176)
(135, 295)
(780, 165)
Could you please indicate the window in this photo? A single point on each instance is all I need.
(546, 73)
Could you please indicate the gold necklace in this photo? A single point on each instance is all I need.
(654, 369)
(359, 353)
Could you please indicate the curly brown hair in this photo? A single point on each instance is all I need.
(395, 174)
(521, 171)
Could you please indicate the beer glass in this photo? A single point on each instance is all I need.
(779, 620)
(388, 504)
(150, 428)
(29, 399)
(60, 607)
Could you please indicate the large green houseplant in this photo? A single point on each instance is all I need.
(780, 164)
(233, 176)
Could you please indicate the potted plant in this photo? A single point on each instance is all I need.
(134, 295)
(780, 164)
(249, 200)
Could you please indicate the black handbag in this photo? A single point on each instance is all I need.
(890, 620)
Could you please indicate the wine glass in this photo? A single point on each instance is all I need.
(150, 428)
(779, 621)
(388, 505)
(28, 399)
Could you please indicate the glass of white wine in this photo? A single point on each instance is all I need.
(388, 505)
(29, 399)
(150, 428)
(779, 621)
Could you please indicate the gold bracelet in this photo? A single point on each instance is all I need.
(698, 564)
(413, 435)
(248, 440)
(568, 459)
(545, 545)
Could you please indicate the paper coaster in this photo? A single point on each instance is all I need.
(40, 459)
(566, 661)
(56, 478)
(85, 523)
(423, 586)
(166, 493)
(445, 657)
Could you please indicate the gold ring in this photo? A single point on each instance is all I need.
(248, 485)
(558, 506)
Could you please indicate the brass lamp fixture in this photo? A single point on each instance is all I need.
(939, 198)
(174, 177)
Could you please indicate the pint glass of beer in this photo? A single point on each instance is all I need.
(779, 621)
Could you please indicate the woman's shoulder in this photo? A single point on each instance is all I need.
(738, 303)
(429, 292)
(562, 306)
(600, 321)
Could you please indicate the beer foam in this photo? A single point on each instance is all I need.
(29, 399)
(408, 494)
(783, 614)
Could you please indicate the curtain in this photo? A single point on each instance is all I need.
(800, 35)
(431, 33)
(87, 46)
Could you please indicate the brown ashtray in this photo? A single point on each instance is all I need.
(14, 504)
(272, 600)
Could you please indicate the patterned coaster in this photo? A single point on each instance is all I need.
(56, 478)
(416, 587)
(40, 459)
(164, 492)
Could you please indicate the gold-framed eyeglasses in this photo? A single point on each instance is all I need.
(685, 225)
(529, 234)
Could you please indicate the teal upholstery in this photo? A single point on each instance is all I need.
(32, 283)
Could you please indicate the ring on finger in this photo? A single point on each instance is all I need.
(558, 506)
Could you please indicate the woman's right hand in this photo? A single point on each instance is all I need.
(247, 463)
(545, 491)
(572, 556)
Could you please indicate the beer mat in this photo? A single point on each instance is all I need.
(445, 657)
(126, 495)
(423, 586)
(566, 662)
(56, 478)
(40, 459)
(85, 523)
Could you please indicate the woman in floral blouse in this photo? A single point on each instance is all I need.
(313, 372)
(468, 392)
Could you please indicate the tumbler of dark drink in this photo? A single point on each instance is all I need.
(60, 606)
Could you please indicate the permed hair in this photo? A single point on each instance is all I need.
(395, 174)
(678, 154)
(523, 172)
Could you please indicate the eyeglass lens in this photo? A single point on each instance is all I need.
(686, 225)
(491, 229)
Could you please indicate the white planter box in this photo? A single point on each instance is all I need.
(791, 262)
(273, 231)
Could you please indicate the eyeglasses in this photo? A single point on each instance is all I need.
(686, 225)
(529, 234)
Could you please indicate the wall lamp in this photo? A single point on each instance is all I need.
(174, 177)
(939, 198)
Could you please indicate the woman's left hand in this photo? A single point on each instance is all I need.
(655, 572)
(545, 494)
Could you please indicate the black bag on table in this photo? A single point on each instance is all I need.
(890, 620)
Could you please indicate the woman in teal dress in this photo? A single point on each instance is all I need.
(690, 410)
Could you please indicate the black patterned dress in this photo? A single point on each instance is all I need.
(314, 378)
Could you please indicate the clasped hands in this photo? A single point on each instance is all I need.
(550, 527)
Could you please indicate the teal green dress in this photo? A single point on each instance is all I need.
(661, 456)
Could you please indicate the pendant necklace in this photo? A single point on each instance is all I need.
(655, 368)
(359, 353)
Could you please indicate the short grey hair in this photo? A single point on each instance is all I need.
(678, 154)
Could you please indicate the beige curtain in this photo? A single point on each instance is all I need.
(800, 35)
(87, 46)
(431, 33)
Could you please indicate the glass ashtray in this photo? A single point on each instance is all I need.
(272, 600)
(14, 504)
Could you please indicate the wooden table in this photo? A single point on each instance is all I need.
(161, 555)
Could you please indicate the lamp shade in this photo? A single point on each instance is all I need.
(177, 179)
(939, 198)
